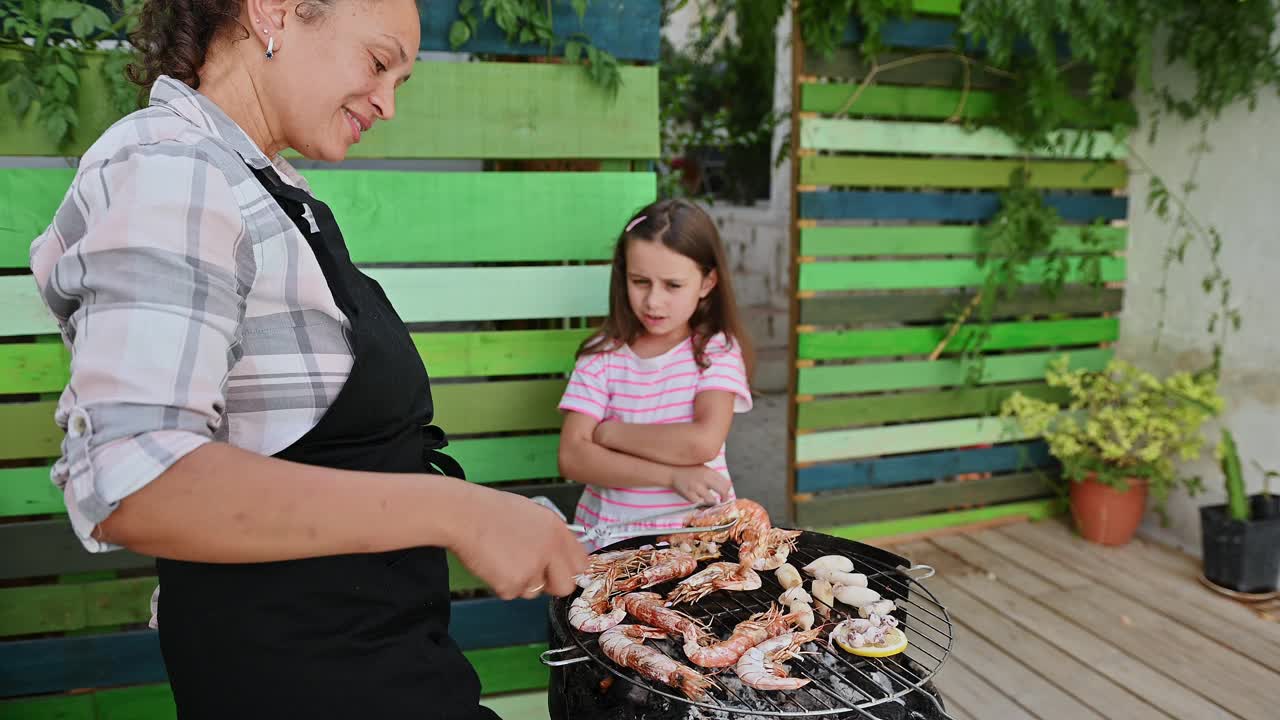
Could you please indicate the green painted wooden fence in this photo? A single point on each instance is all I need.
(505, 265)
(893, 183)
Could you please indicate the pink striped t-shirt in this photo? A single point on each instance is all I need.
(659, 390)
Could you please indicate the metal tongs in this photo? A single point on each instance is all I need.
(635, 527)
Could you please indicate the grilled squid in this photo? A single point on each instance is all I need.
(788, 576)
(829, 563)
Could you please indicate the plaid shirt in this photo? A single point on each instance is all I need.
(193, 308)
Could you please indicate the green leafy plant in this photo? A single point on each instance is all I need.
(530, 22)
(45, 44)
(1122, 423)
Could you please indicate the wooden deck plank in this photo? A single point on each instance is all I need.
(1190, 655)
(1089, 645)
(995, 567)
(966, 695)
(522, 706)
(1062, 575)
(1023, 685)
(1082, 682)
(1182, 598)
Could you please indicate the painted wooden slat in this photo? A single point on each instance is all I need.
(914, 437)
(629, 29)
(50, 547)
(828, 414)
(1030, 510)
(940, 206)
(74, 606)
(922, 138)
(914, 33)
(875, 377)
(500, 293)
(129, 658)
(911, 274)
(849, 64)
(512, 352)
(914, 468)
(43, 367)
(877, 171)
(31, 367)
(839, 344)
(887, 503)
(924, 306)
(29, 431)
(454, 110)
(523, 706)
(864, 240)
(28, 491)
(936, 7)
(493, 407)
(548, 216)
(922, 103)
(418, 294)
(501, 670)
(490, 460)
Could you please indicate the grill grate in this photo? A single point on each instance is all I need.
(840, 683)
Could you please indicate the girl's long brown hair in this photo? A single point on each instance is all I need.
(685, 228)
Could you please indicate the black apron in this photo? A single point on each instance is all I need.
(342, 637)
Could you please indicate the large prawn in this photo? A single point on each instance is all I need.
(761, 667)
(593, 611)
(650, 609)
(746, 635)
(653, 568)
(716, 576)
(770, 551)
(624, 645)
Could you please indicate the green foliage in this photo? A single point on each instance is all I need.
(530, 22)
(1122, 423)
(1229, 461)
(717, 99)
(48, 40)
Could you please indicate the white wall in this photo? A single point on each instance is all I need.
(1239, 194)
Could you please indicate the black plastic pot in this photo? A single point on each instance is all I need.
(1242, 556)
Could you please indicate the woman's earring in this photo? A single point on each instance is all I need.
(271, 47)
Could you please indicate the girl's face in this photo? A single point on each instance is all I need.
(664, 287)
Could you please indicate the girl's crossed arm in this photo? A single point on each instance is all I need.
(687, 443)
(586, 461)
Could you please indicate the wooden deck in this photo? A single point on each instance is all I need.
(1051, 627)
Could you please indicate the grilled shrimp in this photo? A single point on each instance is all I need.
(770, 552)
(746, 635)
(761, 667)
(655, 567)
(716, 576)
(624, 645)
(592, 611)
(649, 608)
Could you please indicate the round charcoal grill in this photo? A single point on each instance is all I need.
(842, 684)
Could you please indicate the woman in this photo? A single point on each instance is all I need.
(244, 404)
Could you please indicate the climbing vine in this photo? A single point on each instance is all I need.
(1072, 64)
(530, 22)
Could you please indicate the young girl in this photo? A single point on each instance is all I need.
(654, 391)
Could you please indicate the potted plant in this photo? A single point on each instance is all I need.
(1118, 439)
(1240, 540)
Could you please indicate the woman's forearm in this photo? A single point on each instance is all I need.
(223, 504)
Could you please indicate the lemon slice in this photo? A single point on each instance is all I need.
(895, 641)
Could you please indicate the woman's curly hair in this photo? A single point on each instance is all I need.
(173, 36)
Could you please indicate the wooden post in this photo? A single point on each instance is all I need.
(797, 75)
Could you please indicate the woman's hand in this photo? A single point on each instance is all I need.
(700, 484)
(517, 547)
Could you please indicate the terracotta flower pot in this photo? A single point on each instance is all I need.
(1106, 515)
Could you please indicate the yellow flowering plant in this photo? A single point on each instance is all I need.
(1121, 423)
